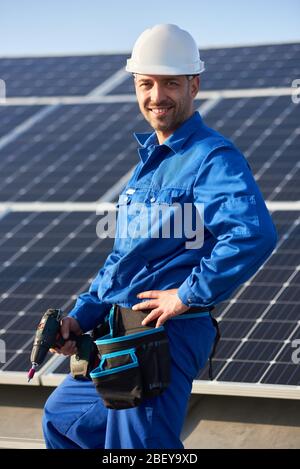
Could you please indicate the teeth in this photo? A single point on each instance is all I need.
(160, 111)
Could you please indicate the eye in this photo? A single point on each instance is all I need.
(172, 83)
(145, 84)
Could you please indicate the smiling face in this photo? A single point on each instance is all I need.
(166, 101)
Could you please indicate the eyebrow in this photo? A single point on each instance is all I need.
(142, 80)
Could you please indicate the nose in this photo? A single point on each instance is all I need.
(157, 93)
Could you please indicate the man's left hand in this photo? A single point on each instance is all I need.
(165, 304)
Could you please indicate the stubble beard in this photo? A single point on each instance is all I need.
(169, 123)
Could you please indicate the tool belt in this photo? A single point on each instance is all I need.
(134, 359)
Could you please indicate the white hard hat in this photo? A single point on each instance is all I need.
(165, 49)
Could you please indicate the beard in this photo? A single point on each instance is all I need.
(176, 113)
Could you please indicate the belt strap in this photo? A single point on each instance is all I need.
(199, 309)
(126, 321)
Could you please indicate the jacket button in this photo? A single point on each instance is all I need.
(130, 191)
(153, 199)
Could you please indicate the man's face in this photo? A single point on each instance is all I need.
(166, 101)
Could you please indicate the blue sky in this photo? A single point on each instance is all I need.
(37, 27)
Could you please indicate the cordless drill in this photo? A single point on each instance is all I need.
(48, 336)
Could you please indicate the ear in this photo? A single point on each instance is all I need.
(195, 84)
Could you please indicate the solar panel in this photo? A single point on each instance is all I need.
(74, 154)
(226, 68)
(12, 116)
(78, 152)
(48, 258)
(268, 133)
(257, 324)
(56, 159)
(260, 322)
(243, 67)
(57, 76)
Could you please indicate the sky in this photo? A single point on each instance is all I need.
(41, 27)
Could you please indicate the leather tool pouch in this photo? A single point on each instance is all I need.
(134, 360)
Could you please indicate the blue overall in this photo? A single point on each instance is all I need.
(75, 416)
(195, 167)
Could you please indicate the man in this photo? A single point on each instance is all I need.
(182, 162)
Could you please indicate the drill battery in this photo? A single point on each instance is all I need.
(86, 358)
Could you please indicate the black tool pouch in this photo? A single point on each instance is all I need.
(134, 360)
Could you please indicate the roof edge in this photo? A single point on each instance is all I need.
(225, 388)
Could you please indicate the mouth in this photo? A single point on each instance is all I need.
(160, 111)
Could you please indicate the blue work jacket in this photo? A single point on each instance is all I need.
(195, 167)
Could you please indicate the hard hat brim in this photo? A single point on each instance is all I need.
(187, 69)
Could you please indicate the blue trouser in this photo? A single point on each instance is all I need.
(75, 416)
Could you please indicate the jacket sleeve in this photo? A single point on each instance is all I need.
(89, 311)
(237, 217)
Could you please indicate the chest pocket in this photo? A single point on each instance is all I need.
(167, 209)
(122, 207)
(176, 215)
(132, 220)
(165, 213)
(172, 196)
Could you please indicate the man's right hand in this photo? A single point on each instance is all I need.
(68, 324)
